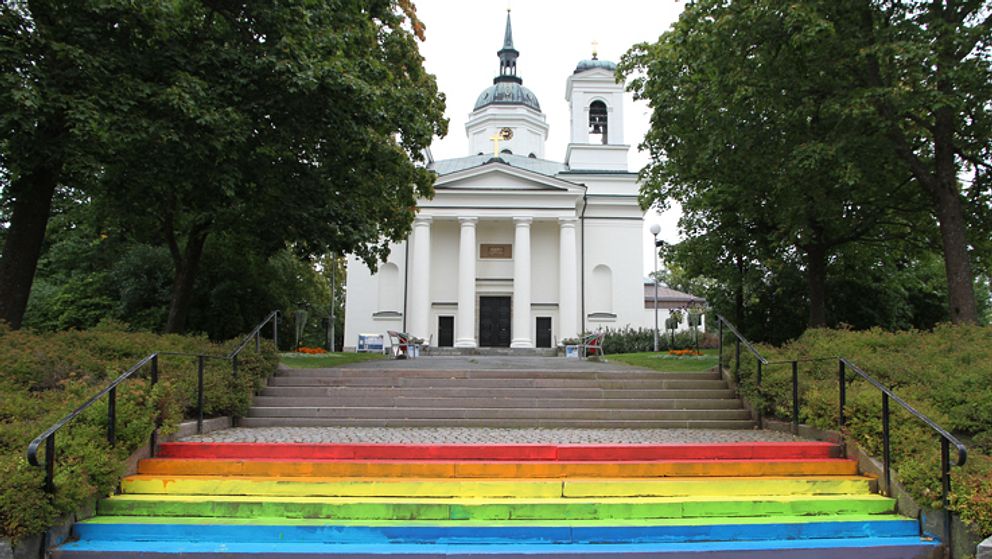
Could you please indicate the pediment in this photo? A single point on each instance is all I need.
(501, 177)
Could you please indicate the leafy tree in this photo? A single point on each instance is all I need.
(928, 71)
(280, 123)
(755, 133)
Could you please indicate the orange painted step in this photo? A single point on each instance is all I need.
(501, 469)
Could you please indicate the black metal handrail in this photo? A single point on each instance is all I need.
(48, 435)
(946, 438)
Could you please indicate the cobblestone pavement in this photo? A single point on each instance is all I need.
(466, 435)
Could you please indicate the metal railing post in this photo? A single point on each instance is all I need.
(199, 394)
(795, 397)
(761, 396)
(234, 365)
(737, 361)
(719, 362)
(945, 489)
(842, 380)
(153, 439)
(258, 342)
(50, 464)
(886, 455)
(275, 330)
(112, 416)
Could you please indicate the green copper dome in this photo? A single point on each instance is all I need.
(507, 93)
(593, 63)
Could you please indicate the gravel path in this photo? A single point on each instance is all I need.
(464, 435)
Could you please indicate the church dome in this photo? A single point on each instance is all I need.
(593, 63)
(507, 93)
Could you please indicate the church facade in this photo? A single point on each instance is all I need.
(515, 250)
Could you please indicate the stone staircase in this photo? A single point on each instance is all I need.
(496, 398)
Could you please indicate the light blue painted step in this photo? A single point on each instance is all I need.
(867, 548)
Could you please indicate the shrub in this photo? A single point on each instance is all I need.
(45, 376)
(946, 374)
(631, 340)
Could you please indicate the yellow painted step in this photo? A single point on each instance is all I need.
(496, 488)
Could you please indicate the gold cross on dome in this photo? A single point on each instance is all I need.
(495, 140)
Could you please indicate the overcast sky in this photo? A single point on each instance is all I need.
(552, 37)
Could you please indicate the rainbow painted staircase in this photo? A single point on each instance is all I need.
(741, 500)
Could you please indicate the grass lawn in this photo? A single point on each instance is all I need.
(661, 361)
(324, 360)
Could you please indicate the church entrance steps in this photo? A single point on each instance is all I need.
(784, 500)
(532, 394)
(478, 401)
(594, 396)
(489, 351)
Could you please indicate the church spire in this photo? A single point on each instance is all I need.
(508, 57)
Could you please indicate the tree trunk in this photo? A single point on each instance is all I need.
(816, 284)
(187, 267)
(32, 194)
(957, 262)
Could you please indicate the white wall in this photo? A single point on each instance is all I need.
(362, 299)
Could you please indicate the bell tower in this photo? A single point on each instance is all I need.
(595, 99)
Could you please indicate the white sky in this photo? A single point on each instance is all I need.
(552, 36)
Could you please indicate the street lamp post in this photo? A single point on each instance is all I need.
(655, 229)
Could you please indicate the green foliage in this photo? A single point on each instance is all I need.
(945, 374)
(45, 376)
(635, 340)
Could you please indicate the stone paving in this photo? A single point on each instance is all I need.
(467, 435)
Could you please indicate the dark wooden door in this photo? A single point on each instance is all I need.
(544, 331)
(445, 331)
(494, 321)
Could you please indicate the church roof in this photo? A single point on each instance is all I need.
(593, 63)
(541, 166)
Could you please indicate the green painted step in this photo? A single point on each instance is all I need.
(491, 509)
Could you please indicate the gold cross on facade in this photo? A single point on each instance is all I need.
(495, 140)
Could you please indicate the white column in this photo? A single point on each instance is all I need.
(465, 321)
(568, 280)
(521, 283)
(420, 280)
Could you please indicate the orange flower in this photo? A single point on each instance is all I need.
(311, 350)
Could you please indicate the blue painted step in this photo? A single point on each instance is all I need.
(866, 548)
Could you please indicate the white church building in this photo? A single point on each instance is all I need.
(515, 250)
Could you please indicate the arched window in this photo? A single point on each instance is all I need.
(390, 292)
(598, 121)
(601, 295)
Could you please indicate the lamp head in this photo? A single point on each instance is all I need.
(655, 229)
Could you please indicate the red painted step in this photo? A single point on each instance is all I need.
(518, 453)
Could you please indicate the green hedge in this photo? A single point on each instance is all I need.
(45, 376)
(945, 374)
(639, 340)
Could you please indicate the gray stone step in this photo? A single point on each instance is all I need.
(486, 392)
(495, 423)
(428, 383)
(421, 401)
(497, 413)
(495, 374)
